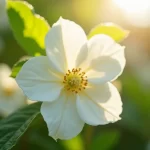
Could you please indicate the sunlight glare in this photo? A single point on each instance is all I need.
(136, 11)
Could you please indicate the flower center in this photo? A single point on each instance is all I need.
(75, 80)
(8, 91)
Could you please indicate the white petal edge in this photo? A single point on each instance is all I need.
(5, 71)
(63, 43)
(100, 105)
(95, 47)
(62, 118)
(37, 80)
(102, 58)
(106, 69)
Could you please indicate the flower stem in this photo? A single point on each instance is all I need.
(88, 135)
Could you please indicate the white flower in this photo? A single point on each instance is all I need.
(73, 80)
(11, 96)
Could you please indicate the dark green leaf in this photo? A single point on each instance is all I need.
(28, 28)
(14, 126)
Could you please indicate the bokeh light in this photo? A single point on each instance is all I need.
(137, 12)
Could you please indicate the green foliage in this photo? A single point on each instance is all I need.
(28, 28)
(136, 104)
(106, 140)
(16, 68)
(36, 138)
(113, 30)
(14, 126)
(74, 144)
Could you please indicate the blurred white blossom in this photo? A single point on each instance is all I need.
(11, 96)
(3, 15)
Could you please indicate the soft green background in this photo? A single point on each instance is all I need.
(133, 131)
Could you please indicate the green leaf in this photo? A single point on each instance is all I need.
(16, 68)
(28, 28)
(73, 144)
(113, 30)
(14, 126)
(106, 140)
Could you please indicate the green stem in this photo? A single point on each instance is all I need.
(88, 136)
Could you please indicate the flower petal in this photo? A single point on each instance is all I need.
(37, 80)
(100, 104)
(63, 43)
(103, 59)
(62, 118)
(105, 69)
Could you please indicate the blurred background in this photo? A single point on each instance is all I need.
(133, 131)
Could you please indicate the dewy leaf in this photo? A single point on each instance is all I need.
(16, 68)
(113, 30)
(28, 28)
(13, 127)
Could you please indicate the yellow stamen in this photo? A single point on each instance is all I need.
(8, 91)
(75, 80)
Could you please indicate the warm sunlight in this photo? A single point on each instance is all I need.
(136, 11)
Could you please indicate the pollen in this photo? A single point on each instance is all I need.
(8, 91)
(75, 80)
